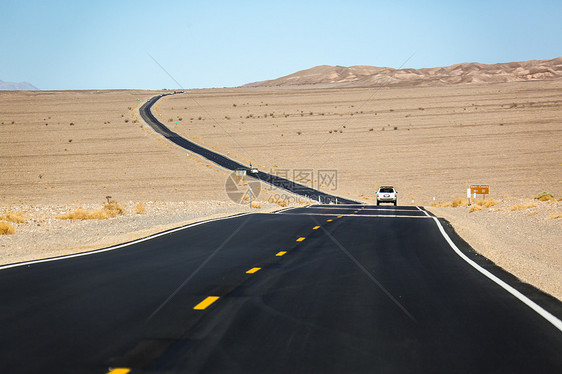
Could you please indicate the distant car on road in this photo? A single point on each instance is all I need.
(387, 194)
(253, 170)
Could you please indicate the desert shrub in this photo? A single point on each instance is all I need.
(15, 217)
(545, 196)
(98, 214)
(281, 202)
(459, 202)
(453, 204)
(456, 203)
(6, 228)
(113, 209)
(255, 204)
(140, 208)
(487, 203)
(522, 206)
(474, 208)
(110, 210)
(76, 214)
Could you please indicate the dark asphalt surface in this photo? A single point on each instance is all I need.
(230, 164)
(372, 290)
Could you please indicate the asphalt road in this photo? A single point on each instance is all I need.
(325, 289)
(227, 163)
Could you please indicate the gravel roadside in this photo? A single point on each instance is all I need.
(42, 235)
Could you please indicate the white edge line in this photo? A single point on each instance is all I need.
(524, 299)
(112, 248)
(286, 209)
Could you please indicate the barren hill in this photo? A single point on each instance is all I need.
(368, 76)
(17, 86)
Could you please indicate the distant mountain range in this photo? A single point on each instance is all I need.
(369, 76)
(16, 86)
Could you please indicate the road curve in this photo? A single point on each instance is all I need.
(227, 163)
(324, 289)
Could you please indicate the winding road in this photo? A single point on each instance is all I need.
(345, 288)
(227, 163)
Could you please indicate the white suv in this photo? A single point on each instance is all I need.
(387, 194)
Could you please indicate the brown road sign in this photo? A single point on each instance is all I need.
(480, 189)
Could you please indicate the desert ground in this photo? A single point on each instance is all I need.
(64, 150)
(428, 142)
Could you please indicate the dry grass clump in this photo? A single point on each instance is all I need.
(555, 216)
(522, 206)
(15, 217)
(486, 203)
(453, 204)
(6, 228)
(77, 214)
(110, 210)
(474, 208)
(545, 196)
(113, 209)
(281, 202)
(140, 208)
(255, 204)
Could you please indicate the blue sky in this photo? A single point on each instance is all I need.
(105, 44)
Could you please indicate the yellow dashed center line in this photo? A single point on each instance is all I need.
(316, 227)
(339, 216)
(253, 270)
(119, 371)
(301, 239)
(329, 220)
(205, 303)
(279, 254)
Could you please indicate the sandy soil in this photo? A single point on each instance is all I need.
(428, 142)
(82, 146)
(62, 150)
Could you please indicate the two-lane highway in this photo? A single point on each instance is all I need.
(229, 164)
(319, 289)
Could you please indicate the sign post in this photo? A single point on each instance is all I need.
(478, 189)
